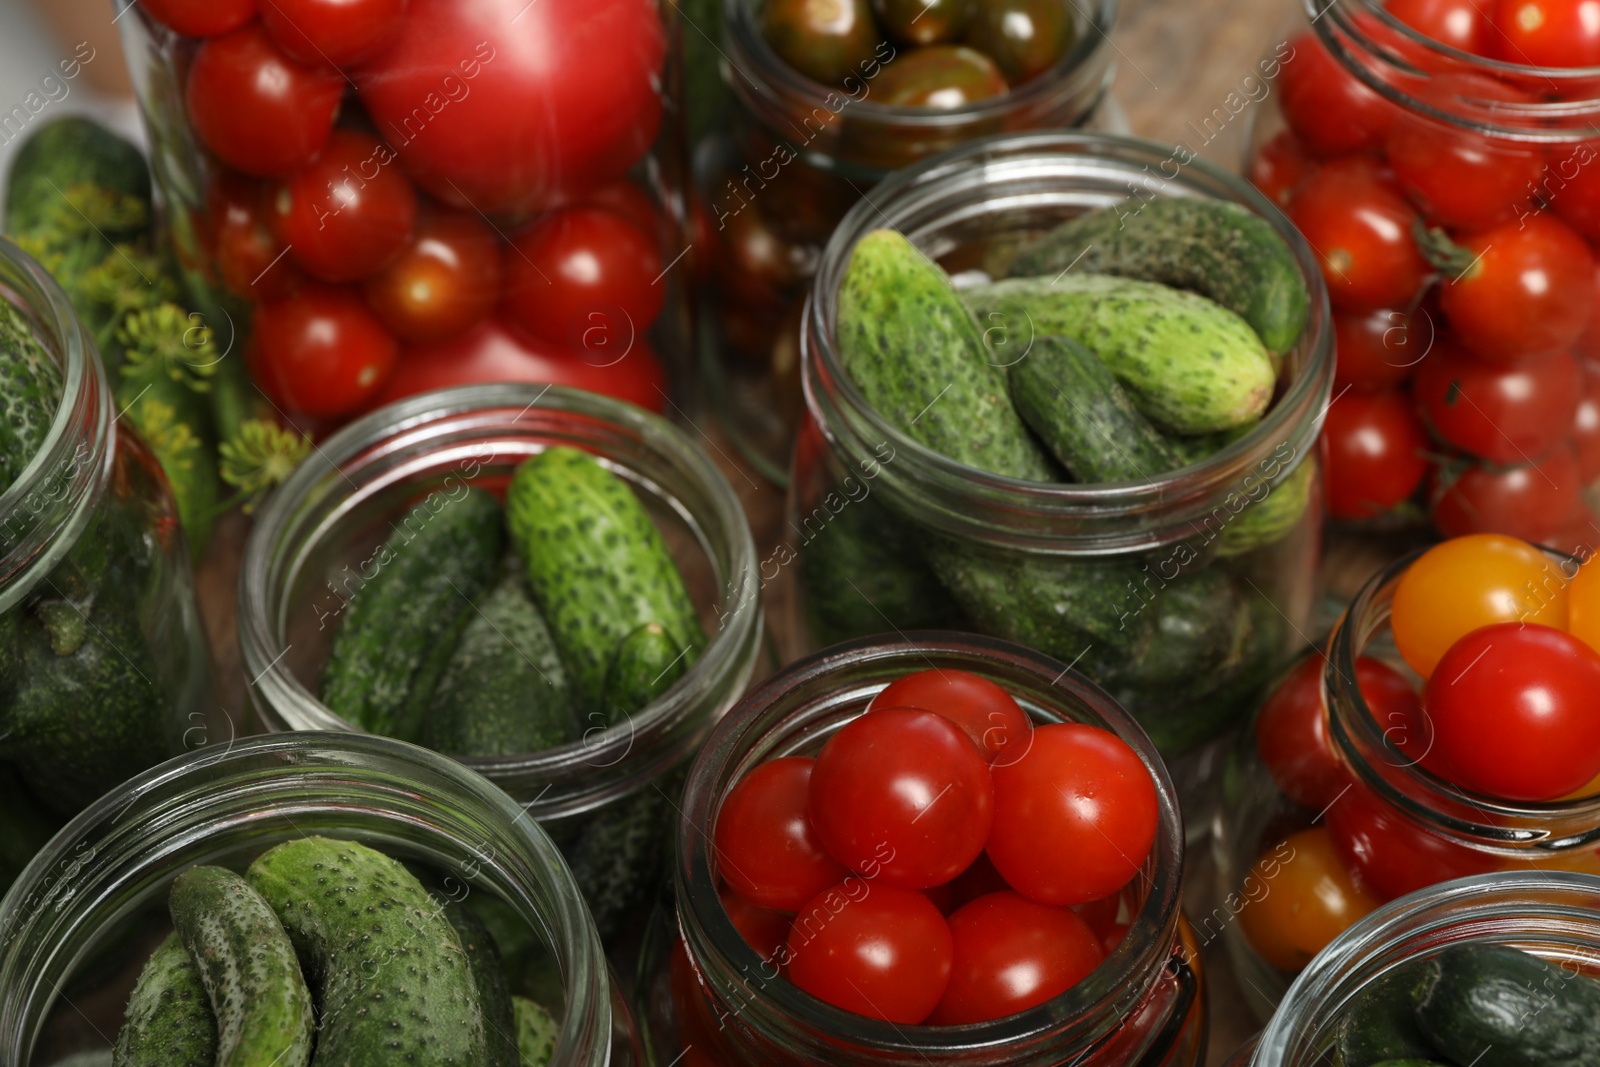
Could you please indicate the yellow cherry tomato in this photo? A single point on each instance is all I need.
(1583, 606)
(1471, 582)
(1298, 897)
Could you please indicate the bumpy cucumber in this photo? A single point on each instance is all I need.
(69, 151)
(1269, 519)
(1069, 398)
(393, 983)
(1193, 448)
(1380, 1023)
(617, 857)
(248, 967)
(648, 661)
(918, 357)
(30, 393)
(1191, 365)
(531, 970)
(596, 564)
(442, 552)
(537, 1031)
(504, 690)
(168, 1022)
(1497, 1006)
(1220, 250)
(488, 975)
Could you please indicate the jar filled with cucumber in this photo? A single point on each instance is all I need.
(305, 900)
(1077, 409)
(1496, 970)
(828, 99)
(104, 666)
(553, 587)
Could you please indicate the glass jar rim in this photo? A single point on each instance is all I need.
(1187, 492)
(1430, 798)
(744, 736)
(389, 427)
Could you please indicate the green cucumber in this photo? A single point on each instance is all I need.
(1496, 1006)
(648, 661)
(488, 976)
(1194, 448)
(1220, 250)
(25, 827)
(443, 553)
(30, 393)
(1192, 366)
(393, 983)
(537, 1031)
(248, 967)
(1069, 398)
(1380, 1023)
(918, 357)
(504, 690)
(597, 566)
(617, 858)
(69, 151)
(1270, 519)
(168, 1022)
(531, 970)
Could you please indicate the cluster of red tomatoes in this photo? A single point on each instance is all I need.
(1504, 643)
(415, 193)
(1460, 268)
(941, 860)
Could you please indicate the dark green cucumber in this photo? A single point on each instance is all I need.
(1069, 398)
(168, 1022)
(537, 1031)
(69, 151)
(392, 981)
(597, 566)
(1220, 250)
(488, 975)
(30, 393)
(531, 970)
(617, 857)
(1271, 518)
(1496, 1006)
(1192, 366)
(443, 554)
(504, 690)
(1196, 447)
(248, 967)
(1412, 1063)
(647, 662)
(1380, 1022)
(25, 827)
(916, 354)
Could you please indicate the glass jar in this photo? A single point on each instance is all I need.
(1391, 826)
(316, 537)
(798, 156)
(1141, 585)
(434, 229)
(76, 929)
(1477, 154)
(1553, 915)
(1144, 1005)
(106, 669)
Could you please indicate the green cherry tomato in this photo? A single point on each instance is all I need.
(826, 40)
(924, 22)
(941, 76)
(1023, 37)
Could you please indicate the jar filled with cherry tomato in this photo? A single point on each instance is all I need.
(391, 196)
(1448, 730)
(1154, 586)
(1443, 157)
(879, 840)
(828, 100)
(1554, 916)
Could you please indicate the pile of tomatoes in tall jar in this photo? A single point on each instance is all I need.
(398, 195)
(1443, 158)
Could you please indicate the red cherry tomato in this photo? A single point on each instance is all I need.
(1516, 712)
(1010, 954)
(872, 949)
(1377, 350)
(324, 352)
(763, 929)
(1525, 292)
(1586, 427)
(1280, 166)
(581, 270)
(1074, 818)
(629, 200)
(1534, 502)
(1548, 33)
(1457, 176)
(350, 213)
(508, 107)
(445, 281)
(492, 353)
(1572, 186)
(903, 796)
(1331, 111)
(1389, 853)
(337, 33)
(1361, 231)
(250, 259)
(1498, 413)
(984, 711)
(1461, 24)
(766, 849)
(1376, 453)
(200, 18)
(256, 108)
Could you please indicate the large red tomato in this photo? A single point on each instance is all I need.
(508, 106)
(1502, 414)
(1535, 501)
